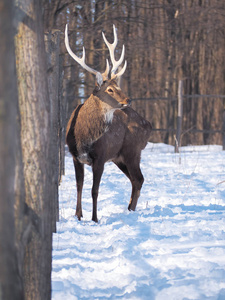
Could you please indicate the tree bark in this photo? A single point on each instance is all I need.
(10, 278)
(35, 112)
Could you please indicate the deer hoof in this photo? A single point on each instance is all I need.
(130, 207)
(79, 216)
(95, 220)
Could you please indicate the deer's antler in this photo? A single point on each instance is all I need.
(81, 61)
(115, 63)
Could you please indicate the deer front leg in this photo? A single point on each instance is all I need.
(97, 168)
(79, 171)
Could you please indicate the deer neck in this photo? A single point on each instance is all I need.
(103, 111)
(94, 120)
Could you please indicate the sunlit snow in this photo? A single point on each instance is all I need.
(172, 247)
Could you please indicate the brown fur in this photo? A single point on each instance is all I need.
(101, 130)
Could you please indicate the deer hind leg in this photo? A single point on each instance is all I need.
(137, 180)
(97, 169)
(79, 172)
(123, 168)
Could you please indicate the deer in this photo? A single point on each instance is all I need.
(105, 128)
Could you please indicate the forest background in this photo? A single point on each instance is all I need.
(166, 41)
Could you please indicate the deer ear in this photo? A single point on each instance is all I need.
(96, 89)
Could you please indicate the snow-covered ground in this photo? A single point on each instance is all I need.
(172, 247)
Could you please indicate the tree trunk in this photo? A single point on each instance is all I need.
(10, 279)
(35, 135)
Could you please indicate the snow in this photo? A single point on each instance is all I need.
(171, 248)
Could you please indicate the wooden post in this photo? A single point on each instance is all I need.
(179, 116)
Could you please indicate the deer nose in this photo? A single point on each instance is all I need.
(126, 102)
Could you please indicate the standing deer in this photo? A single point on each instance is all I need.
(105, 128)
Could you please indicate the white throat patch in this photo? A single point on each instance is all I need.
(109, 115)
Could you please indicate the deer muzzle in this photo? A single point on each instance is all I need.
(126, 102)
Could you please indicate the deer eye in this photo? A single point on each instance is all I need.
(110, 90)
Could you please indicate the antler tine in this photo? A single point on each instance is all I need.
(81, 61)
(120, 73)
(112, 48)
